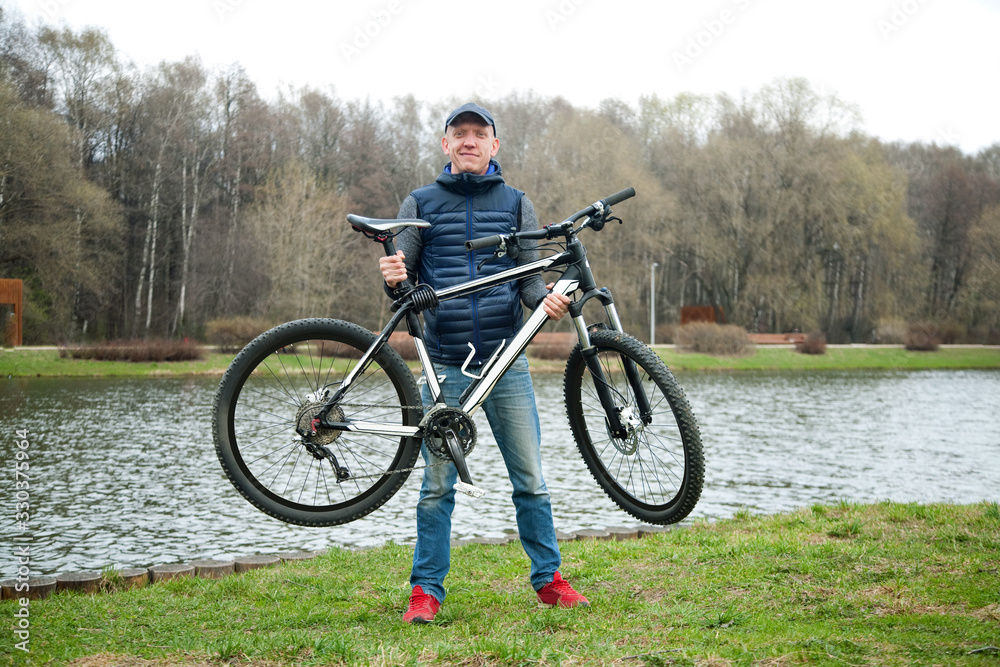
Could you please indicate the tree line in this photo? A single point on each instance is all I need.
(146, 203)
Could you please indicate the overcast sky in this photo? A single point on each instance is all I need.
(919, 70)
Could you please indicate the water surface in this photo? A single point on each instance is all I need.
(124, 472)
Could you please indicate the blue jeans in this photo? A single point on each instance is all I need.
(513, 418)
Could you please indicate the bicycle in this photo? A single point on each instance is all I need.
(319, 422)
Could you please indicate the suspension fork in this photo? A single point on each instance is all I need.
(601, 385)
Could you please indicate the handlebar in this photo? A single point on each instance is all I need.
(484, 242)
(603, 206)
(627, 193)
(600, 207)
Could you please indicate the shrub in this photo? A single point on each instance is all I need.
(231, 334)
(890, 332)
(399, 341)
(985, 335)
(552, 345)
(814, 343)
(136, 351)
(922, 337)
(665, 333)
(951, 332)
(402, 342)
(726, 340)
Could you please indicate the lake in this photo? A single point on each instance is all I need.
(124, 472)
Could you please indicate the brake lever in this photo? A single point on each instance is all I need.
(495, 255)
(505, 249)
(597, 224)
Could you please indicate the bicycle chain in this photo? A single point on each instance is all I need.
(382, 406)
(394, 472)
(400, 470)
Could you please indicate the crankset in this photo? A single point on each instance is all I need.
(450, 434)
(442, 420)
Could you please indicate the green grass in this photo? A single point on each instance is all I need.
(885, 584)
(27, 362)
(838, 358)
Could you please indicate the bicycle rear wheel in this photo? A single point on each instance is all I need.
(274, 385)
(656, 472)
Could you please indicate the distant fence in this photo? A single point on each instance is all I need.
(691, 314)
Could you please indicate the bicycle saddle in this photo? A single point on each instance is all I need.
(380, 225)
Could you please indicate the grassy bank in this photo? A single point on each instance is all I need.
(839, 358)
(886, 584)
(27, 362)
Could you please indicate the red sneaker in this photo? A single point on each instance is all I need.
(560, 593)
(423, 607)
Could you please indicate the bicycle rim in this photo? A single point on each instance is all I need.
(274, 385)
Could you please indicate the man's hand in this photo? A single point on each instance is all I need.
(393, 269)
(555, 305)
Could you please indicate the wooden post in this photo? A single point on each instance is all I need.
(134, 577)
(624, 532)
(246, 563)
(159, 573)
(11, 293)
(210, 568)
(595, 534)
(290, 556)
(39, 588)
(87, 582)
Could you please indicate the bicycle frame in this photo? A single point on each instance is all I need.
(576, 276)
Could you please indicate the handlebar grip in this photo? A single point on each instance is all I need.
(618, 196)
(484, 242)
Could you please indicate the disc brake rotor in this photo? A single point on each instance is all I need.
(633, 428)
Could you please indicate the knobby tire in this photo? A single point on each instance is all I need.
(657, 473)
(262, 396)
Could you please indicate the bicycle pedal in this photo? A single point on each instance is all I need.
(470, 490)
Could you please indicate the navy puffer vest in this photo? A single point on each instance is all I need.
(463, 207)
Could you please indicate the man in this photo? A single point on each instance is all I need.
(470, 200)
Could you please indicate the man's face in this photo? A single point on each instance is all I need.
(469, 144)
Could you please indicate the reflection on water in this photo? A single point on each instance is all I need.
(124, 472)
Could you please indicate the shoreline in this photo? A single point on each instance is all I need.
(45, 362)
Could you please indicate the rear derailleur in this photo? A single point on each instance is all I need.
(315, 438)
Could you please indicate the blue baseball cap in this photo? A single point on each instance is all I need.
(471, 107)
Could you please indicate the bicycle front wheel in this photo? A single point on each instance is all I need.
(271, 393)
(656, 471)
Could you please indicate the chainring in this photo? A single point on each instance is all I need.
(455, 420)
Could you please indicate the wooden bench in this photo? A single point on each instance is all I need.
(777, 339)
